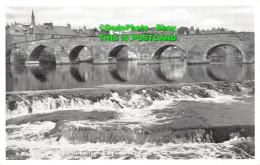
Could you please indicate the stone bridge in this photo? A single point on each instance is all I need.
(197, 48)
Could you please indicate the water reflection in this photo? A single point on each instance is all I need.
(20, 69)
(226, 71)
(51, 76)
(15, 74)
(197, 73)
(74, 71)
(114, 73)
(114, 70)
(172, 70)
(225, 54)
(40, 72)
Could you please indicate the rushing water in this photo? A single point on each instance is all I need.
(175, 122)
(169, 110)
(51, 76)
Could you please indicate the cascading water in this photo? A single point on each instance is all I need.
(156, 122)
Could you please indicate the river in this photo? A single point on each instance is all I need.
(82, 75)
(169, 110)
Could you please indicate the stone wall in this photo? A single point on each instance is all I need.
(196, 47)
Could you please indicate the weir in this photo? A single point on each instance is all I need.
(170, 116)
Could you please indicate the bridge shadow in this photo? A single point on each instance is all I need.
(161, 76)
(226, 71)
(74, 71)
(43, 54)
(40, 72)
(226, 63)
(224, 53)
(172, 70)
(123, 52)
(81, 53)
(16, 75)
(169, 51)
(211, 75)
(115, 74)
(114, 70)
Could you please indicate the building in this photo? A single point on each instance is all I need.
(216, 31)
(87, 32)
(47, 31)
(17, 31)
(192, 30)
(28, 32)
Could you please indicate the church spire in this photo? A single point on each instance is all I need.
(32, 19)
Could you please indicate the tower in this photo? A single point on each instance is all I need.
(32, 19)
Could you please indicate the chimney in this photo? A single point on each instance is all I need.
(68, 26)
(31, 29)
(50, 25)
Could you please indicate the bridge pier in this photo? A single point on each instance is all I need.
(194, 46)
(61, 55)
(100, 55)
(247, 58)
(197, 55)
(248, 53)
(17, 56)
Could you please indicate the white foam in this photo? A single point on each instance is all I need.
(50, 149)
(143, 104)
(29, 130)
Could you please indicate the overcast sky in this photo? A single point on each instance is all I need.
(237, 18)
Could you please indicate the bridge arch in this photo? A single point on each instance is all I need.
(38, 54)
(212, 49)
(114, 52)
(74, 53)
(158, 53)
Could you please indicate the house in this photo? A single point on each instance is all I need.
(102, 32)
(192, 30)
(87, 32)
(17, 31)
(47, 31)
(28, 32)
(216, 31)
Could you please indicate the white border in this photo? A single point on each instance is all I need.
(107, 3)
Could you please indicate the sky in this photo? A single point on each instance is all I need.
(239, 18)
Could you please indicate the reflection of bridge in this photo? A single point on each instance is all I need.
(172, 72)
(197, 48)
(51, 76)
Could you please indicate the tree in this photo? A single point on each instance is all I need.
(182, 30)
(8, 42)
